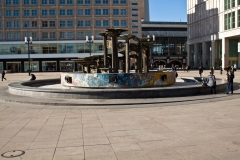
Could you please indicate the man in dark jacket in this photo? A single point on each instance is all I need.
(3, 75)
(230, 78)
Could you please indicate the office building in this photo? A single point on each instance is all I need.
(213, 33)
(59, 28)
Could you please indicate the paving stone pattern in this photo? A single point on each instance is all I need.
(196, 130)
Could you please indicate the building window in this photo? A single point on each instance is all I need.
(98, 23)
(16, 13)
(27, 24)
(134, 32)
(134, 20)
(34, 24)
(134, 9)
(8, 13)
(87, 1)
(15, 2)
(69, 2)
(115, 1)
(115, 23)
(123, 12)
(105, 1)
(115, 12)
(44, 12)
(26, 13)
(80, 12)
(62, 24)
(70, 23)
(123, 23)
(61, 1)
(16, 24)
(229, 20)
(134, 15)
(44, 23)
(52, 12)
(105, 11)
(26, 2)
(87, 23)
(45, 35)
(51, 23)
(134, 3)
(62, 34)
(97, 11)
(229, 4)
(122, 1)
(239, 17)
(44, 2)
(80, 1)
(80, 35)
(51, 1)
(34, 12)
(105, 23)
(8, 2)
(97, 1)
(69, 12)
(9, 35)
(62, 12)
(70, 35)
(9, 24)
(88, 12)
(34, 1)
(80, 23)
(16, 35)
(134, 26)
(52, 35)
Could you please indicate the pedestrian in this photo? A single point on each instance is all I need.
(221, 69)
(200, 71)
(187, 68)
(211, 82)
(3, 75)
(230, 77)
(212, 70)
(33, 77)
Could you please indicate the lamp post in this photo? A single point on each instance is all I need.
(151, 50)
(28, 40)
(90, 41)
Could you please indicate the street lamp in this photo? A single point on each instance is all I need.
(151, 50)
(90, 41)
(28, 40)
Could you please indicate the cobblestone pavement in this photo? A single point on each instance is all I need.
(205, 128)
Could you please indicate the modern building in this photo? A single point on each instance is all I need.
(59, 28)
(213, 33)
(171, 42)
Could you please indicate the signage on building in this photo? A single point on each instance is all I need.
(238, 46)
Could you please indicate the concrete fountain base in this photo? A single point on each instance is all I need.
(37, 89)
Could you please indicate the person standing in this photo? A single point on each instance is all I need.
(212, 70)
(200, 71)
(230, 78)
(211, 82)
(3, 75)
(221, 69)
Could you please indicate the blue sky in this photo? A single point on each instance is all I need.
(168, 10)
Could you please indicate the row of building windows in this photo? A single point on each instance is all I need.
(51, 35)
(63, 2)
(230, 4)
(229, 20)
(64, 12)
(63, 23)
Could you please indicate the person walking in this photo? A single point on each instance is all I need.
(230, 78)
(200, 71)
(221, 69)
(211, 82)
(3, 75)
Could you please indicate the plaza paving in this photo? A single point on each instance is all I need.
(205, 127)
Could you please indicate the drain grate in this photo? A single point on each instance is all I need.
(12, 154)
